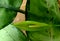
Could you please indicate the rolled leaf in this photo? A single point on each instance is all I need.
(32, 25)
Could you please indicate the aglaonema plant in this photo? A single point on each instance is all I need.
(42, 21)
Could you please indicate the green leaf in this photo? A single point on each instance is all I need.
(11, 33)
(11, 3)
(31, 25)
(7, 14)
(37, 31)
(43, 11)
(51, 34)
(6, 17)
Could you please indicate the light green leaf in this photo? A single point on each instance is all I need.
(11, 33)
(31, 25)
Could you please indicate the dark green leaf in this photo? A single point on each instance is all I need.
(51, 34)
(7, 15)
(43, 11)
(10, 3)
